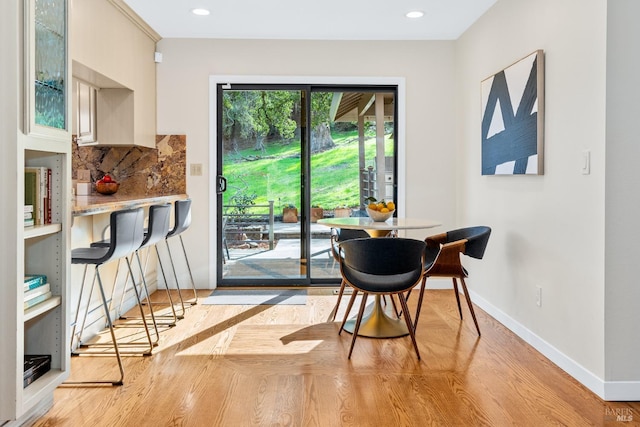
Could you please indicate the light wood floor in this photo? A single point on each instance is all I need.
(286, 365)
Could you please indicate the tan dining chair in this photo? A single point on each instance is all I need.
(443, 259)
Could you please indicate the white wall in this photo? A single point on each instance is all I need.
(428, 70)
(622, 296)
(548, 230)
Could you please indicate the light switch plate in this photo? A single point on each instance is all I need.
(84, 175)
(586, 162)
(196, 169)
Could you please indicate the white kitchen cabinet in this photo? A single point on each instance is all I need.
(116, 54)
(84, 113)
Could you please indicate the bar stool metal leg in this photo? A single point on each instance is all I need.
(173, 317)
(150, 343)
(175, 276)
(75, 321)
(105, 305)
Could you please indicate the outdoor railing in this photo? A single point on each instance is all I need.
(249, 223)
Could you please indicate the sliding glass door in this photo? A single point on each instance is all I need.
(291, 155)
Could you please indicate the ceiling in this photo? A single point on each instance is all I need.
(317, 20)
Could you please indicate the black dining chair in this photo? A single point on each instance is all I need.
(443, 259)
(339, 235)
(381, 266)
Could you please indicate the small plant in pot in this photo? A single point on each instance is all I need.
(290, 214)
(342, 212)
(317, 212)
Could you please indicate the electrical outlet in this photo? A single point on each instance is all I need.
(538, 296)
(196, 169)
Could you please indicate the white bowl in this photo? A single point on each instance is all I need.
(379, 216)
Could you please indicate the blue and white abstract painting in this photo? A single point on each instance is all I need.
(512, 119)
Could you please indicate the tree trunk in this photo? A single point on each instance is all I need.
(321, 138)
(260, 143)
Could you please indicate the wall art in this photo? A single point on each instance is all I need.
(513, 119)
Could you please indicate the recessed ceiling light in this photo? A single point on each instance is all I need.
(415, 14)
(201, 12)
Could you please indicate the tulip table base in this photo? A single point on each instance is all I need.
(378, 324)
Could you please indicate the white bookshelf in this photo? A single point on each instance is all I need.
(44, 249)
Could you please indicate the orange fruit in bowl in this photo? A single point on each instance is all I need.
(384, 210)
(391, 206)
(373, 206)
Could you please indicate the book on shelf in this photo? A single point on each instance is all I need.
(35, 366)
(37, 300)
(32, 281)
(28, 215)
(48, 198)
(29, 222)
(28, 209)
(36, 292)
(31, 191)
(37, 184)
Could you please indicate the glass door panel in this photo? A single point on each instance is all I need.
(261, 155)
(350, 130)
(286, 169)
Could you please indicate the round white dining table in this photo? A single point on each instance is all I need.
(379, 228)
(378, 323)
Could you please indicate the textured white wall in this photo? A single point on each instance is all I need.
(428, 70)
(548, 230)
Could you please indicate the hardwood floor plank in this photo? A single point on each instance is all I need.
(287, 366)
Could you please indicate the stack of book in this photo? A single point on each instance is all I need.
(29, 220)
(37, 193)
(35, 366)
(36, 290)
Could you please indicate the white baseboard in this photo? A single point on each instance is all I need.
(622, 391)
(606, 390)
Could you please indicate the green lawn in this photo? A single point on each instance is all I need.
(275, 173)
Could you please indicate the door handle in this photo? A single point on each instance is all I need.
(222, 184)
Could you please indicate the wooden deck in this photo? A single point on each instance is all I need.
(251, 261)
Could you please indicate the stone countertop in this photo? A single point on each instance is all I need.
(98, 204)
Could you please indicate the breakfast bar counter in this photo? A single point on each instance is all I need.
(99, 204)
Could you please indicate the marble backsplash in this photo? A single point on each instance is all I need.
(141, 171)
